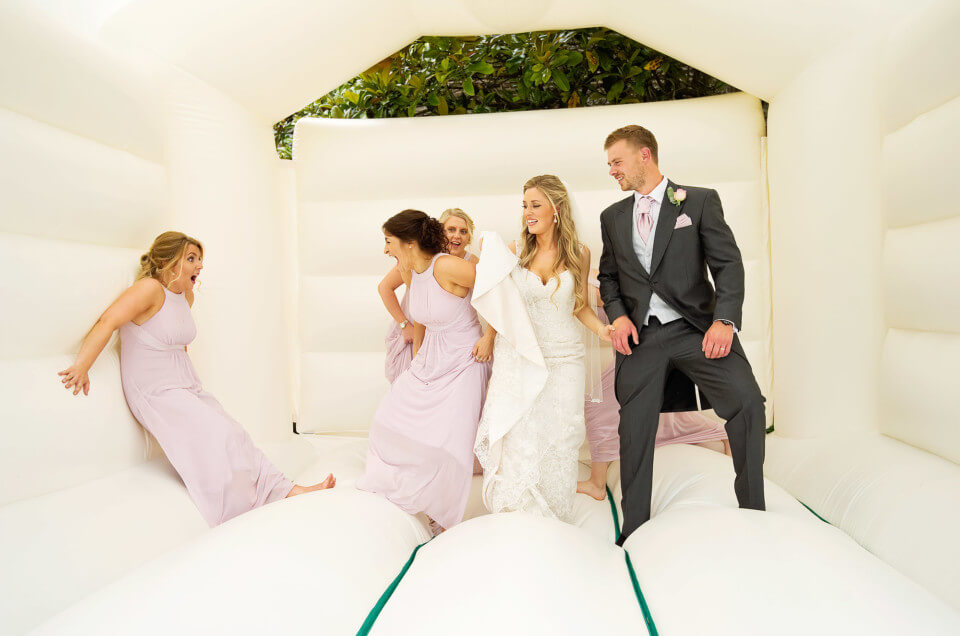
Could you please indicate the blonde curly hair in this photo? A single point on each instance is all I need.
(164, 255)
(457, 212)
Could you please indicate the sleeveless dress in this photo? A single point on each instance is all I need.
(421, 439)
(399, 352)
(225, 474)
(529, 445)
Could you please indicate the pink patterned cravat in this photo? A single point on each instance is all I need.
(644, 218)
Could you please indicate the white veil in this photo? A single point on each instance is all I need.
(594, 347)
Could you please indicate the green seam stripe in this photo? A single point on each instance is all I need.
(814, 513)
(616, 517)
(647, 617)
(387, 593)
(644, 608)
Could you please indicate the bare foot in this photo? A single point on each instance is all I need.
(592, 488)
(329, 482)
(435, 528)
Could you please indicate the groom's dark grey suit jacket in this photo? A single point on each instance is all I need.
(678, 273)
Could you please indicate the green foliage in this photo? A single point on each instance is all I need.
(498, 73)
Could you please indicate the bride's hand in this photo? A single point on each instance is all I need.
(76, 378)
(606, 333)
(483, 350)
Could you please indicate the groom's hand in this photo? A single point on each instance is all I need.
(718, 340)
(621, 336)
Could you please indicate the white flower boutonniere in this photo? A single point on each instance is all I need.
(677, 196)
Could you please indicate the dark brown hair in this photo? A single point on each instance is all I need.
(638, 137)
(414, 225)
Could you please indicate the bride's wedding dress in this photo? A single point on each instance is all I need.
(532, 425)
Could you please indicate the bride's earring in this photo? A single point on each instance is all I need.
(556, 217)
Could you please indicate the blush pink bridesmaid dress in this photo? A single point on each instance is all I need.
(225, 474)
(421, 439)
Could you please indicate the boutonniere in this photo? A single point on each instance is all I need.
(676, 196)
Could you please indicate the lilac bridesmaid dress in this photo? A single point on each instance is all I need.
(603, 419)
(399, 351)
(225, 474)
(421, 439)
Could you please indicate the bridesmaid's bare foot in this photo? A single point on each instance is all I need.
(435, 528)
(592, 488)
(329, 482)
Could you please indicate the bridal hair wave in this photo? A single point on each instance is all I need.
(414, 225)
(569, 248)
(457, 212)
(164, 255)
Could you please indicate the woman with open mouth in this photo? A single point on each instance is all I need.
(458, 228)
(225, 474)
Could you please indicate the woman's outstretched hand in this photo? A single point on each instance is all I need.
(75, 378)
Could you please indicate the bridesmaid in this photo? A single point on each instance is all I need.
(603, 419)
(421, 439)
(458, 227)
(225, 474)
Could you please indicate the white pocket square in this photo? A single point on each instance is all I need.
(683, 221)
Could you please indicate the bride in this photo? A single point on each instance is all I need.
(533, 296)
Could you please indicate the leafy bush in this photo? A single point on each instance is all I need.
(498, 73)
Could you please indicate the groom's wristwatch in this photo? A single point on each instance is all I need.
(728, 322)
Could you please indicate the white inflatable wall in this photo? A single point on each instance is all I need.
(353, 175)
(863, 225)
(119, 120)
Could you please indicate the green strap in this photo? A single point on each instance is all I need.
(644, 608)
(387, 593)
(647, 617)
(616, 517)
(814, 513)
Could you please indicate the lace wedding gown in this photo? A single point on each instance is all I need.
(532, 425)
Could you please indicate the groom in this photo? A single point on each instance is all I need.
(672, 328)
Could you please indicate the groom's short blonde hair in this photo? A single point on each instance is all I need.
(638, 137)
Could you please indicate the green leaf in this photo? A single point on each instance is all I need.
(573, 58)
(615, 91)
(351, 96)
(411, 110)
(468, 87)
(486, 68)
(442, 106)
(433, 100)
(592, 60)
(561, 80)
